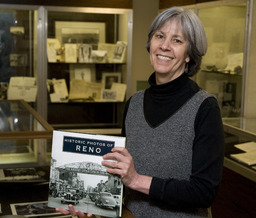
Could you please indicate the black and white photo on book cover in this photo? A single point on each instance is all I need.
(77, 176)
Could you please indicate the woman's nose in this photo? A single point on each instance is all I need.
(166, 45)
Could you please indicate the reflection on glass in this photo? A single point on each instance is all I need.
(14, 117)
(17, 47)
(222, 67)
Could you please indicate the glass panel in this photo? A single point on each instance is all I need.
(245, 124)
(20, 151)
(15, 117)
(222, 67)
(17, 53)
(24, 135)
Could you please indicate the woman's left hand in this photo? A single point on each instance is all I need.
(122, 165)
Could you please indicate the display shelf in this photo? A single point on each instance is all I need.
(239, 130)
(93, 51)
(227, 73)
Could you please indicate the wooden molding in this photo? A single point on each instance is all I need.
(77, 3)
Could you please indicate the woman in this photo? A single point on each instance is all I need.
(172, 164)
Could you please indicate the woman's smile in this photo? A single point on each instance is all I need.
(162, 57)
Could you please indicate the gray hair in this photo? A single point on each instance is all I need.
(192, 30)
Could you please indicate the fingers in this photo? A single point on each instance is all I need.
(121, 150)
(73, 212)
(62, 211)
(117, 153)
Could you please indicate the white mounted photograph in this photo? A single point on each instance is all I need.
(33, 209)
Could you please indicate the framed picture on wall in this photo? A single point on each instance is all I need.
(80, 32)
(109, 78)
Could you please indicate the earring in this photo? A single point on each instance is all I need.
(186, 68)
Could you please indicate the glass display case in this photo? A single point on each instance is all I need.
(223, 67)
(240, 138)
(18, 53)
(81, 50)
(87, 67)
(25, 137)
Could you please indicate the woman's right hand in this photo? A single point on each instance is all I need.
(73, 212)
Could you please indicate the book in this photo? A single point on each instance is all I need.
(77, 176)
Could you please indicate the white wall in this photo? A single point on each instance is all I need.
(144, 11)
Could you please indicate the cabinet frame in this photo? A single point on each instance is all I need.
(241, 132)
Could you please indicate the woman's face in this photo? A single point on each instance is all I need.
(168, 52)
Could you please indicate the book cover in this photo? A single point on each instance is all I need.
(77, 176)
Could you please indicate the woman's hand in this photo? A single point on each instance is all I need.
(73, 212)
(123, 165)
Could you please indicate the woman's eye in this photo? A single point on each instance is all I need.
(177, 41)
(159, 36)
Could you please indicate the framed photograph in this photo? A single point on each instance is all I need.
(32, 209)
(84, 72)
(109, 78)
(80, 32)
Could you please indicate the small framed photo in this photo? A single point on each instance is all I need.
(109, 78)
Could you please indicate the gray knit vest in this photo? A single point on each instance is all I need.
(164, 152)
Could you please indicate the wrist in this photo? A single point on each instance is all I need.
(141, 183)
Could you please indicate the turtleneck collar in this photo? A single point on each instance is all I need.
(161, 101)
(169, 88)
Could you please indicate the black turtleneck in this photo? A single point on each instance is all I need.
(161, 102)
